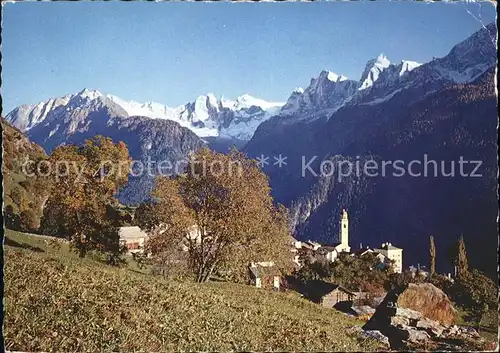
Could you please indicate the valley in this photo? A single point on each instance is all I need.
(444, 109)
(248, 177)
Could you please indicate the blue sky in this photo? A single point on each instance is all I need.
(173, 52)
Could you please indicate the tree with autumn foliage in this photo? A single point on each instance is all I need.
(224, 202)
(87, 180)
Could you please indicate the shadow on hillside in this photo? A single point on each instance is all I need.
(13, 243)
(137, 271)
(312, 290)
(217, 279)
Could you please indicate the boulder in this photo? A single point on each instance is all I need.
(406, 327)
(408, 314)
(430, 301)
(417, 336)
(451, 331)
(400, 321)
(381, 319)
(377, 300)
(432, 327)
(371, 334)
(377, 335)
(363, 310)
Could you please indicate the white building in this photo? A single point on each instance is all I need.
(392, 253)
(295, 246)
(421, 270)
(312, 245)
(133, 238)
(328, 252)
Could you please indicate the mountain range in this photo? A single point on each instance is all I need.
(207, 116)
(445, 108)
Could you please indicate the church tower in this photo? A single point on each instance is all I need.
(344, 232)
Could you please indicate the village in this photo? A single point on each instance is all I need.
(265, 274)
(412, 314)
(247, 178)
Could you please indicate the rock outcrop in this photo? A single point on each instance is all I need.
(406, 328)
(430, 301)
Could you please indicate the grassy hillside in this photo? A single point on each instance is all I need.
(59, 248)
(55, 301)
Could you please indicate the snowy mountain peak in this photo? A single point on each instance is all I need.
(89, 93)
(206, 116)
(246, 101)
(325, 93)
(331, 76)
(212, 100)
(326, 76)
(244, 97)
(373, 69)
(407, 66)
(382, 61)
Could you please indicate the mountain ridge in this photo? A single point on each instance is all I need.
(398, 117)
(206, 116)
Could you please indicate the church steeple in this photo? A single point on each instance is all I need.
(344, 230)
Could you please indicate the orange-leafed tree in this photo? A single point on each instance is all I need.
(87, 178)
(224, 203)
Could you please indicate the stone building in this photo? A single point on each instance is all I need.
(336, 295)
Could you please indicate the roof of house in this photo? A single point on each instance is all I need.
(362, 251)
(339, 287)
(132, 233)
(322, 288)
(330, 247)
(389, 246)
(310, 242)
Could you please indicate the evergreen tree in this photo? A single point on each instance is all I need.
(432, 253)
(462, 264)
